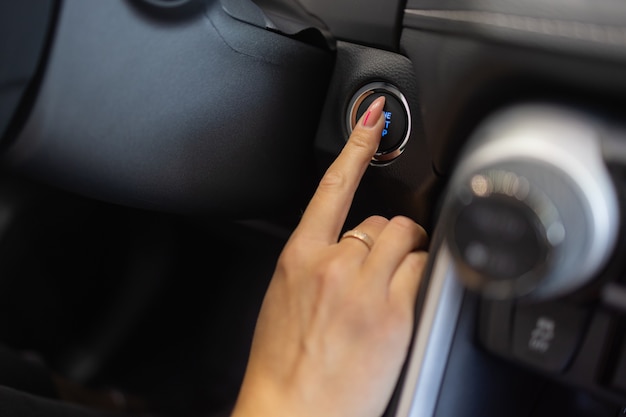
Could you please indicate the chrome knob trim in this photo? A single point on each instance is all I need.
(549, 160)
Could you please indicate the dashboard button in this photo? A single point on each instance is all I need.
(397, 115)
(395, 120)
(547, 335)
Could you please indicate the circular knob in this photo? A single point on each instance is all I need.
(531, 209)
(506, 231)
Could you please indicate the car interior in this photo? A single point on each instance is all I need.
(157, 154)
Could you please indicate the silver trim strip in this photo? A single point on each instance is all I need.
(433, 340)
(609, 35)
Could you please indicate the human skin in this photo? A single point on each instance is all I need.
(336, 321)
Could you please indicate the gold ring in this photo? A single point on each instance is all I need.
(362, 236)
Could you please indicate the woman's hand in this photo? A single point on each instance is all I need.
(336, 322)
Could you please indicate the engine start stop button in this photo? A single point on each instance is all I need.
(397, 127)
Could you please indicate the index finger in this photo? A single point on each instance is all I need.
(327, 211)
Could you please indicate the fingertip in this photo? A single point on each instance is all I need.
(368, 131)
(373, 113)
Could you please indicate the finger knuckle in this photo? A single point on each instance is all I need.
(416, 262)
(290, 251)
(360, 141)
(407, 227)
(404, 224)
(333, 179)
(377, 220)
(294, 254)
(331, 272)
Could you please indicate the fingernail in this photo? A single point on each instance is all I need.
(374, 112)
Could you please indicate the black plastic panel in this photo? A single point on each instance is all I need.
(479, 384)
(24, 30)
(367, 22)
(287, 17)
(473, 59)
(187, 115)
